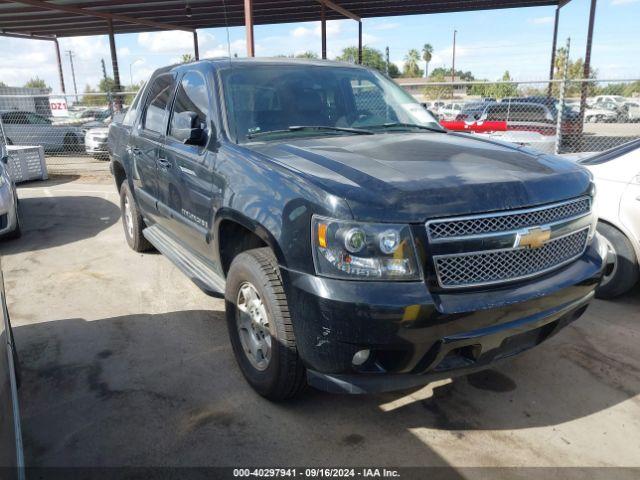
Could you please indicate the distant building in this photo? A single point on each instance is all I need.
(27, 99)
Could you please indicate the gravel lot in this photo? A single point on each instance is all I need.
(126, 362)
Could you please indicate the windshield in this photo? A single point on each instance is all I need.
(271, 99)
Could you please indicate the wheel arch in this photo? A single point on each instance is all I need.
(243, 225)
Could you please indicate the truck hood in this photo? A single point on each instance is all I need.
(411, 177)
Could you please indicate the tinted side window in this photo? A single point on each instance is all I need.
(14, 118)
(160, 93)
(130, 116)
(34, 119)
(191, 96)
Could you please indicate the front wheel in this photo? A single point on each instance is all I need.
(623, 274)
(260, 326)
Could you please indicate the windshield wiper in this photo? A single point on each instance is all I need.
(408, 126)
(297, 128)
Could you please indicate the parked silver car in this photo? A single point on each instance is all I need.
(28, 128)
(95, 142)
(9, 217)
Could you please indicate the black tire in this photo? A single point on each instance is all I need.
(132, 233)
(284, 375)
(625, 271)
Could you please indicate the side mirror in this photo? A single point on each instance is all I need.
(186, 128)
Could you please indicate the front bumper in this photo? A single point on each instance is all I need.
(415, 336)
(96, 147)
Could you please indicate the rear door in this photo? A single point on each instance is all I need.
(185, 170)
(147, 139)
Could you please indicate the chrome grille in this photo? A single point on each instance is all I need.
(496, 266)
(507, 221)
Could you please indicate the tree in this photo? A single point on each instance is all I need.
(394, 71)
(2, 84)
(411, 64)
(307, 54)
(427, 53)
(437, 92)
(575, 70)
(186, 58)
(370, 57)
(496, 90)
(36, 82)
(446, 72)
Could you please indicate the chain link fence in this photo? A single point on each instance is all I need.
(60, 124)
(560, 116)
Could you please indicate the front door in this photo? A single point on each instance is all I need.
(146, 142)
(185, 168)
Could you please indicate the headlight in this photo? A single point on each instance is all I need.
(345, 249)
(594, 211)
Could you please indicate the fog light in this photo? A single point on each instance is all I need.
(360, 357)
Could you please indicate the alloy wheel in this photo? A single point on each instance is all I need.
(253, 325)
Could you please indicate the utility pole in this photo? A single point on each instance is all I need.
(453, 62)
(386, 56)
(73, 73)
(104, 69)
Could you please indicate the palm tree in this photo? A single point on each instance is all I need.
(427, 51)
(411, 60)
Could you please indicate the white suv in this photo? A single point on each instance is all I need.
(616, 174)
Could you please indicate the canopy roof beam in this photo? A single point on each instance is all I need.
(109, 17)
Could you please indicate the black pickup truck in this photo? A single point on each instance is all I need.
(359, 246)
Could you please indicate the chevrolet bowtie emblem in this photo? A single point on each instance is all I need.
(534, 237)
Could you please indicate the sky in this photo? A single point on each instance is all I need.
(488, 43)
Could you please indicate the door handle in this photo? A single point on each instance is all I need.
(136, 151)
(164, 163)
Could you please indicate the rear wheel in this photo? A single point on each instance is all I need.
(623, 274)
(132, 221)
(260, 326)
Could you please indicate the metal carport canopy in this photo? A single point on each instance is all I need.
(58, 18)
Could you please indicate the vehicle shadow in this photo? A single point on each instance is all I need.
(164, 389)
(53, 221)
(53, 180)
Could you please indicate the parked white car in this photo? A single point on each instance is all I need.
(542, 143)
(9, 218)
(632, 109)
(602, 112)
(449, 111)
(617, 99)
(616, 174)
(95, 142)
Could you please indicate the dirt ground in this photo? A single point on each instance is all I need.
(126, 362)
